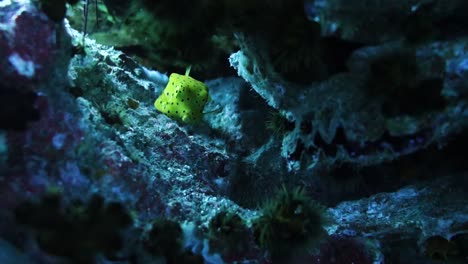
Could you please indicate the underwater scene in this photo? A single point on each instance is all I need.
(233, 131)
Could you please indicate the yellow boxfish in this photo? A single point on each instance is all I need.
(183, 99)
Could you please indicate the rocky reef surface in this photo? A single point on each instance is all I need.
(335, 137)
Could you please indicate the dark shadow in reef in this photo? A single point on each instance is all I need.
(249, 187)
(17, 108)
(353, 182)
(221, 67)
(424, 24)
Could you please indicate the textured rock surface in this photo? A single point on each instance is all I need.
(32, 48)
(347, 121)
(389, 164)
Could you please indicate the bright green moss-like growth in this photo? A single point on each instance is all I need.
(291, 222)
(278, 124)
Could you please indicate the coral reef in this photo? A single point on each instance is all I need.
(166, 239)
(290, 224)
(228, 234)
(362, 104)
